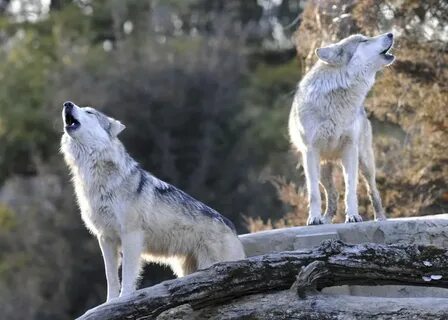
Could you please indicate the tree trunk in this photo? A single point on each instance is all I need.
(333, 263)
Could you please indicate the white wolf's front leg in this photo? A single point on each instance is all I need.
(350, 165)
(109, 249)
(311, 166)
(132, 246)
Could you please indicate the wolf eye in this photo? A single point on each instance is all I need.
(363, 40)
(89, 112)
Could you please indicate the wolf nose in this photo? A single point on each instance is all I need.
(390, 35)
(68, 104)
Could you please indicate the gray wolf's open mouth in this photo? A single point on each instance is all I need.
(71, 123)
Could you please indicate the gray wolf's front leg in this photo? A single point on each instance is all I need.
(109, 249)
(132, 247)
(350, 165)
(311, 166)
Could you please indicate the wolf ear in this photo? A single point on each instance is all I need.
(331, 54)
(115, 127)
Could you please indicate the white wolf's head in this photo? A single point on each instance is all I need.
(359, 53)
(88, 126)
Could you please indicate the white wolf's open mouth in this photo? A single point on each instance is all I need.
(71, 123)
(386, 53)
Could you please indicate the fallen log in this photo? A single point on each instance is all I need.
(285, 305)
(333, 263)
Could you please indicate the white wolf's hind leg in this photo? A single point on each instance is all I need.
(331, 194)
(350, 165)
(367, 167)
(132, 246)
(311, 167)
(109, 249)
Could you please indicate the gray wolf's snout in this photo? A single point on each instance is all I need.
(390, 35)
(71, 123)
(68, 105)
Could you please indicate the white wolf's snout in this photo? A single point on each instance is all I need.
(387, 41)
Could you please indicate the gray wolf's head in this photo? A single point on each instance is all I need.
(359, 53)
(89, 126)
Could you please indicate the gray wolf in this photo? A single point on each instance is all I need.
(130, 210)
(328, 123)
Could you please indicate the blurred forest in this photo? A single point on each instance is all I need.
(204, 88)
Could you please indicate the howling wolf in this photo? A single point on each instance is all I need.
(131, 211)
(328, 122)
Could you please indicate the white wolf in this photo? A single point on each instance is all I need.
(129, 209)
(328, 122)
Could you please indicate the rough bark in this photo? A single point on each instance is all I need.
(333, 263)
(285, 305)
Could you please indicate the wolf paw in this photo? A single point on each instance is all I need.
(314, 221)
(353, 218)
(380, 217)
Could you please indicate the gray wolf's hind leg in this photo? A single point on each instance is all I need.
(367, 167)
(206, 258)
(189, 265)
(183, 266)
(331, 194)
